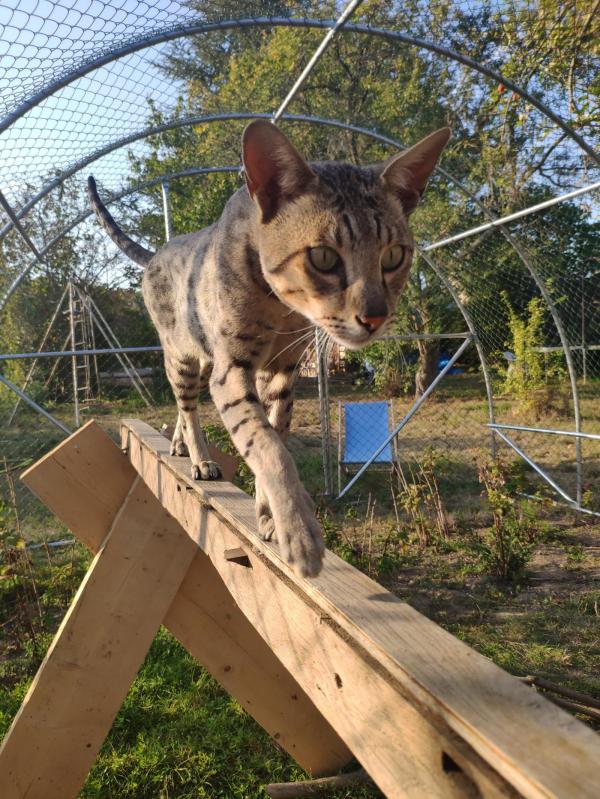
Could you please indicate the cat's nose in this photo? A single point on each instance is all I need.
(372, 323)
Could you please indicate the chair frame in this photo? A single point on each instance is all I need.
(380, 466)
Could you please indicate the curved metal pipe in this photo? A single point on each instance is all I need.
(180, 123)
(179, 31)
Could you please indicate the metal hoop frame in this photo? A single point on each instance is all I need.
(169, 34)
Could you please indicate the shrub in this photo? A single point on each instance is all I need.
(532, 378)
(506, 547)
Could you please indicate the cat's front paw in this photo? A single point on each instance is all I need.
(266, 527)
(264, 517)
(206, 470)
(300, 538)
(179, 447)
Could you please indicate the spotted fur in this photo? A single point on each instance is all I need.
(235, 305)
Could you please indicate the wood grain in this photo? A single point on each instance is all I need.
(93, 477)
(96, 653)
(426, 715)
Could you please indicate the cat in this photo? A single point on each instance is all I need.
(301, 245)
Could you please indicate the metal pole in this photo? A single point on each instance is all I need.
(511, 217)
(546, 430)
(19, 356)
(26, 398)
(409, 415)
(583, 352)
(74, 357)
(343, 18)
(167, 210)
(425, 336)
(323, 386)
(536, 468)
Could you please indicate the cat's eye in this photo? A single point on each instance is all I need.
(323, 258)
(392, 257)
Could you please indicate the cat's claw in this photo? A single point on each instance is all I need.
(206, 470)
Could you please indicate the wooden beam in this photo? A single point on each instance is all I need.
(425, 715)
(96, 653)
(83, 482)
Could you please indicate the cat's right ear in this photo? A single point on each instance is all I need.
(275, 171)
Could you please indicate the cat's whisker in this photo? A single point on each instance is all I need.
(289, 332)
(304, 355)
(303, 337)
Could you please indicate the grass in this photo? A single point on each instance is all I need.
(178, 733)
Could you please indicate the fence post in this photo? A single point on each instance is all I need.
(323, 385)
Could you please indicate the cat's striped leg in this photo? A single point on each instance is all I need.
(276, 393)
(298, 531)
(188, 377)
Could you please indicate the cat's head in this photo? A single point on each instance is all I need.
(334, 239)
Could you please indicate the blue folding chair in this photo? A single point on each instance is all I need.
(365, 426)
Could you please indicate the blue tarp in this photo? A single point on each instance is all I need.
(367, 427)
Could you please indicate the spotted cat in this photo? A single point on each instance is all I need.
(235, 305)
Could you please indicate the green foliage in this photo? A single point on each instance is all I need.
(393, 375)
(421, 500)
(505, 549)
(530, 377)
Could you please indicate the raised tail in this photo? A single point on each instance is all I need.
(131, 248)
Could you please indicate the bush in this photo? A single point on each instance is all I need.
(532, 378)
(506, 547)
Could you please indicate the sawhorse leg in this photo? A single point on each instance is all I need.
(84, 482)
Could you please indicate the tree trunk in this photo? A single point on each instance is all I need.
(429, 355)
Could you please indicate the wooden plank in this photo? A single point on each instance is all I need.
(425, 714)
(71, 477)
(203, 616)
(96, 653)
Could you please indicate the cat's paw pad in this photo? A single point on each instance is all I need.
(206, 470)
(266, 528)
(179, 448)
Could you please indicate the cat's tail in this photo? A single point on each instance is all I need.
(132, 249)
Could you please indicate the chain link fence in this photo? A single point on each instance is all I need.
(103, 87)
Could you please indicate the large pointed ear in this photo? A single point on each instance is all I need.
(275, 171)
(407, 174)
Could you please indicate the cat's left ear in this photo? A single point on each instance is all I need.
(275, 171)
(407, 174)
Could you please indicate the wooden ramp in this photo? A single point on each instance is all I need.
(330, 667)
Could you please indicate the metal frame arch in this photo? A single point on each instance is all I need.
(197, 120)
(196, 28)
(317, 120)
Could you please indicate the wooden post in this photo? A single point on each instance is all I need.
(84, 481)
(96, 653)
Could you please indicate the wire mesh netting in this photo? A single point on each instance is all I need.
(137, 93)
